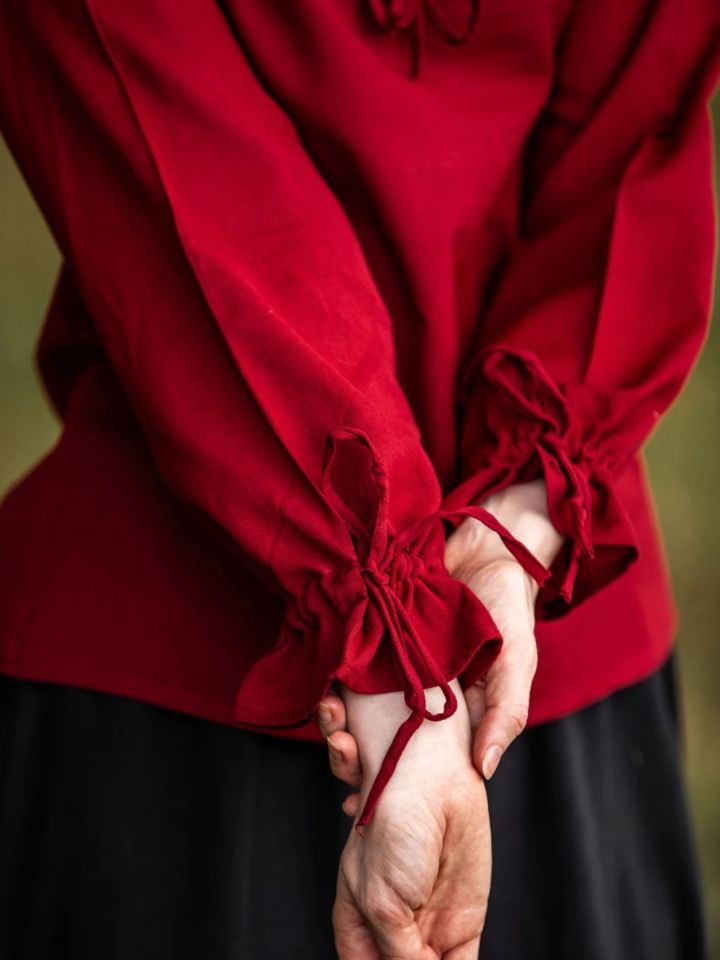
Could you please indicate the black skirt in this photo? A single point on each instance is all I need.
(131, 832)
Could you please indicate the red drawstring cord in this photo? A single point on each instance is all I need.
(407, 644)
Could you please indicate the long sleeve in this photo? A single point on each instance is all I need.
(601, 304)
(235, 308)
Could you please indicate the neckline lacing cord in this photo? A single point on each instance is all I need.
(412, 14)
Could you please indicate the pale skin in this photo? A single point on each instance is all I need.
(415, 886)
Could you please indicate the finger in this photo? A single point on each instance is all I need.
(351, 805)
(394, 925)
(331, 714)
(344, 758)
(353, 939)
(398, 941)
(464, 951)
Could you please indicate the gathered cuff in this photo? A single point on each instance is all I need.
(525, 426)
(392, 619)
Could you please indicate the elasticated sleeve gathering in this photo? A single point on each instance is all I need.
(602, 302)
(263, 378)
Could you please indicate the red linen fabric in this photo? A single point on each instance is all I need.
(327, 283)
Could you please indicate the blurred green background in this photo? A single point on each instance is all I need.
(683, 454)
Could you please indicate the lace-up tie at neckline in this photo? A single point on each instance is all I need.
(411, 15)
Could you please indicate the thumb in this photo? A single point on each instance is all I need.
(507, 700)
(505, 692)
(499, 703)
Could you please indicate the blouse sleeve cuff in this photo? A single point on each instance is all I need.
(522, 425)
(392, 619)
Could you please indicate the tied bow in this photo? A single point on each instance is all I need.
(411, 14)
(381, 571)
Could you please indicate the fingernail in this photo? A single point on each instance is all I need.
(490, 761)
(325, 712)
(337, 754)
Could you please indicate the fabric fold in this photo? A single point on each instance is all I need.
(529, 426)
(454, 20)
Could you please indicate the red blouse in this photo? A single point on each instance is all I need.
(334, 271)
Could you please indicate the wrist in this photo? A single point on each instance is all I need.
(523, 509)
(373, 719)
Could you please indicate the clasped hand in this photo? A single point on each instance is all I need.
(415, 886)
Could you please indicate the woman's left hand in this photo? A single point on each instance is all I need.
(498, 703)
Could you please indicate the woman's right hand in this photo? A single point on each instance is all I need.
(415, 885)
